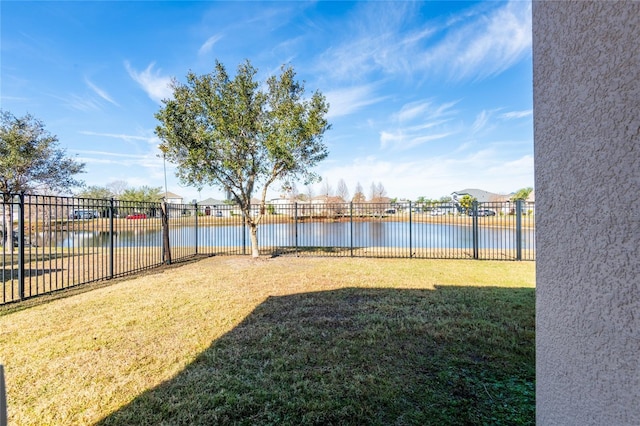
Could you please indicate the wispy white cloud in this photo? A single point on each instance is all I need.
(149, 139)
(480, 122)
(156, 86)
(374, 42)
(516, 114)
(417, 123)
(424, 110)
(100, 92)
(150, 163)
(480, 43)
(349, 100)
(484, 46)
(208, 45)
(402, 140)
(80, 103)
(104, 154)
(483, 121)
(410, 111)
(13, 98)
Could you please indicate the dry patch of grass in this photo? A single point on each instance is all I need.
(283, 340)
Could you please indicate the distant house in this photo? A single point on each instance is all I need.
(500, 202)
(214, 207)
(172, 198)
(480, 195)
(282, 205)
(211, 202)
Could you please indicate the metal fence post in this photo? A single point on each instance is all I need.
(21, 277)
(475, 229)
(295, 221)
(195, 206)
(3, 399)
(112, 211)
(519, 229)
(351, 226)
(410, 233)
(166, 249)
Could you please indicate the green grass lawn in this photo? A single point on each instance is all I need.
(230, 340)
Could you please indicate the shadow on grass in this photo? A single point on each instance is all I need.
(7, 275)
(457, 355)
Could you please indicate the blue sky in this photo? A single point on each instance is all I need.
(425, 98)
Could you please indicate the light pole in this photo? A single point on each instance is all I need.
(164, 165)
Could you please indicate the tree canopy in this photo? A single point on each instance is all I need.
(466, 202)
(239, 134)
(30, 157)
(377, 193)
(95, 192)
(342, 191)
(358, 196)
(522, 194)
(146, 194)
(120, 190)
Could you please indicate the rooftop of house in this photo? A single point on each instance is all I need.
(171, 195)
(211, 202)
(486, 197)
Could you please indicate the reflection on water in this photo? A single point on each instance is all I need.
(338, 234)
(141, 238)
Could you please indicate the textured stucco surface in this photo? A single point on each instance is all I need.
(586, 59)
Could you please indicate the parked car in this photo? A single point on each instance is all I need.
(85, 214)
(438, 212)
(137, 216)
(483, 212)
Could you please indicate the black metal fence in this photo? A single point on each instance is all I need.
(51, 243)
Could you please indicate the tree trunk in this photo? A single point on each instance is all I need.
(253, 228)
(7, 225)
(4, 227)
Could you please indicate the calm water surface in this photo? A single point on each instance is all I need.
(339, 234)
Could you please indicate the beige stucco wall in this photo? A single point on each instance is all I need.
(586, 59)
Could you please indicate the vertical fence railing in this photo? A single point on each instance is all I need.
(112, 212)
(410, 210)
(295, 215)
(3, 399)
(474, 217)
(518, 229)
(51, 242)
(21, 269)
(351, 229)
(195, 233)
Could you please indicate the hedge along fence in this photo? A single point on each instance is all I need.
(50, 243)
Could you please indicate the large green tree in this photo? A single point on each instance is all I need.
(240, 135)
(31, 160)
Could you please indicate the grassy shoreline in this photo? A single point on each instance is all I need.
(231, 340)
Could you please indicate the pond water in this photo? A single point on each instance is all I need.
(339, 234)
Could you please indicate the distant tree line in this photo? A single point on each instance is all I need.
(120, 190)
